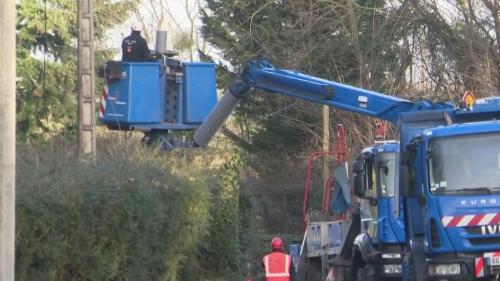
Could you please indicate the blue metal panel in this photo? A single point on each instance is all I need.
(138, 97)
(200, 94)
(334, 235)
(315, 234)
(387, 227)
(458, 236)
(462, 129)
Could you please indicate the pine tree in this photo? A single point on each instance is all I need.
(46, 59)
(351, 42)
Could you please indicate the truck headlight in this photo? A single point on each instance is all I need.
(444, 269)
(391, 256)
(392, 269)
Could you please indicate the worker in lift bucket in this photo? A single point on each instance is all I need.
(134, 47)
(277, 265)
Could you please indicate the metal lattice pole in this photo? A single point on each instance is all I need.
(86, 82)
(7, 139)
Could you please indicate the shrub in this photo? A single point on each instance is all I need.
(135, 214)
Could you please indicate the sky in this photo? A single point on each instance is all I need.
(176, 21)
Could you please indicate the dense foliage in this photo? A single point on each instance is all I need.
(46, 61)
(125, 218)
(136, 213)
(414, 49)
(223, 248)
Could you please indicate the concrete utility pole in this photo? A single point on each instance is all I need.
(7, 139)
(326, 143)
(86, 82)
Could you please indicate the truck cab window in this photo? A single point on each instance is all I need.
(387, 168)
(371, 178)
(464, 164)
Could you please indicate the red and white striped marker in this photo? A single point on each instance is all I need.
(471, 220)
(479, 267)
(479, 263)
(104, 98)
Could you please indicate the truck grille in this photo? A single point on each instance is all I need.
(473, 230)
(495, 269)
(484, 241)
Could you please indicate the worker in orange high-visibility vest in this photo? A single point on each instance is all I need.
(278, 266)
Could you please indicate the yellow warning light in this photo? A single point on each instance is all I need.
(468, 99)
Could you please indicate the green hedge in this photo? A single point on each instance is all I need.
(222, 249)
(136, 214)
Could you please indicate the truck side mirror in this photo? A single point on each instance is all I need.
(409, 184)
(408, 172)
(359, 180)
(358, 166)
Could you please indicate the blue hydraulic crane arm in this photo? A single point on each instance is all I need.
(263, 75)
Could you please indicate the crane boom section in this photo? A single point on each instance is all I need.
(263, 75)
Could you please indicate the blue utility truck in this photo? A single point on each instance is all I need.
(442, 217)
(366, 244)
(446, 173)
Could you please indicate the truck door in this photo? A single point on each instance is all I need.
(368, 205)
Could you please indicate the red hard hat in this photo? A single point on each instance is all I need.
(277, 244)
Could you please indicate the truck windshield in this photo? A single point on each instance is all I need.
(387, 164)
(465, 164)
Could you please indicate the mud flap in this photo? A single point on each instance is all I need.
(309, 269)
(301, 273)
(354, 228)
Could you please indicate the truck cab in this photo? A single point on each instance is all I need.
(377, 248)
(455, 178)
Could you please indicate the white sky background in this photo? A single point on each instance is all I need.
(174, 26)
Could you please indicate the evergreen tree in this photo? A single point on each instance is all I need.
(351, 42)
(46, 59)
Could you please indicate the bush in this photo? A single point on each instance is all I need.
(222, 251)
(136, 214)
